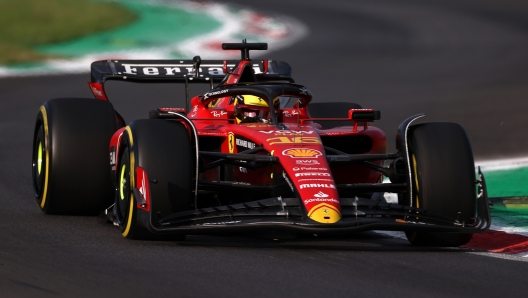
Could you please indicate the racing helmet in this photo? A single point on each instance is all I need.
(250, 108)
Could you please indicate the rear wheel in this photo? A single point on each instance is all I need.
(70, 156)
(163, 150)
(443, 176)
(332, 110)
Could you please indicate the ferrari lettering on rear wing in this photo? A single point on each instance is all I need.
(174, 70)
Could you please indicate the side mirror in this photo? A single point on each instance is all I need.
(361, 115)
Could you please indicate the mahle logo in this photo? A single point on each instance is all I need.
(317, 185)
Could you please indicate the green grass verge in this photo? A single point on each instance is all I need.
(28, 23)
(507, 183)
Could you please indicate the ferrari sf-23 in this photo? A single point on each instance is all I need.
(251, 155)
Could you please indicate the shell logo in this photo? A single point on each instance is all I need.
(305, 153)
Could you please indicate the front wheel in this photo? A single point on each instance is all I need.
(162, 149)
(443, 175)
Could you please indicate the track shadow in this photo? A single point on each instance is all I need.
(366, 241)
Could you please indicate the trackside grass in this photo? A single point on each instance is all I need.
(25, 24)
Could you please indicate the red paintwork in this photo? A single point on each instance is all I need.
(299, 149)
(115, 141)
(98, 90)
(310, 174)
(142, 183)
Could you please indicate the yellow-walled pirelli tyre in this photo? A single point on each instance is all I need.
(162, 148)
(70, 160)
(443, 175)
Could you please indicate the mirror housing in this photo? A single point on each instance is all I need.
(362, 115)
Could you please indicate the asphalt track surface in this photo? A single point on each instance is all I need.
(461, 61)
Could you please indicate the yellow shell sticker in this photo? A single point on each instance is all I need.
(231, 142)
(294, 140)
(325, 213)
(305, 153)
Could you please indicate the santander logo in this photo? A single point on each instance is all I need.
(321, 195)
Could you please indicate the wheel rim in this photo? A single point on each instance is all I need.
(39, 164)
(39, 158)
(417, 185)
(123, 191)
(122, 183)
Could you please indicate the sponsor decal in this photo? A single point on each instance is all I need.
(113, 160)
(231, 142)
(142, 183)
(209, 94)
(173, 110)
(245, 143)
(312, 174)
(96, 91)
(317, 185)
(287, 132)
(321, 200)
(294, 140)
(304, 153)
(154, 70)
(168, 69)
(337, 133)
(194, 111)
(143, 187)
(321, 194)
(325, 213)
(221, 223)
(218, 113)
(315, 179)
(289, 114)
(307, 162)
(309, 169)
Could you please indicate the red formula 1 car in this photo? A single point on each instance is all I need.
(251, 155)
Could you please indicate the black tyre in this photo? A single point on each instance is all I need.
(70, 156)
(163, 150)
(443, 176)
(331, 110)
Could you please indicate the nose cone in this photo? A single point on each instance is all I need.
(325, 213)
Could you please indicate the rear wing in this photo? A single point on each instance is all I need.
(178, 71)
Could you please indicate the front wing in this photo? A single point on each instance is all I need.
(289, 215)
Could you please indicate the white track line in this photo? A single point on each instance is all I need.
(502, 164)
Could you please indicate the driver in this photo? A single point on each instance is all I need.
(251, 109)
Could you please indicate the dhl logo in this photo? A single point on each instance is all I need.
(294, 140)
